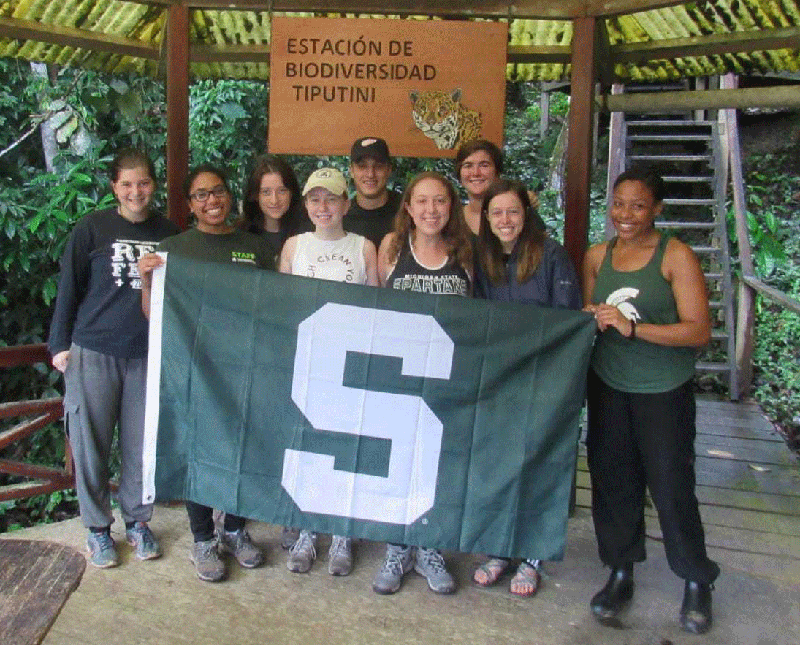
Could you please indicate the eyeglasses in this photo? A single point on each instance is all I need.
(202, 195)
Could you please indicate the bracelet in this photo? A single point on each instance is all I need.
(632, 335)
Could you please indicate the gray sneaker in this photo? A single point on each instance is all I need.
(340, 556)
(289, 536)
(102, 552)
(140, 537)
(241, 546)
(206, 560)
(429, 563)
(303, 552)
(398, 561)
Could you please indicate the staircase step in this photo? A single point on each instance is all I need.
(687, 225)
(670, 157)
(716, 304)
(719, 335)
(691, 201)
(656, 123)
(719, 368)
(705, 249)
(679, 138)
(713, 276)
(676, 179)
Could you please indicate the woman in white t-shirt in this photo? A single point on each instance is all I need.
(330, 254)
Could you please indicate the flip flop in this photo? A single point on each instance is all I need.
(528, 576)
(493, 568)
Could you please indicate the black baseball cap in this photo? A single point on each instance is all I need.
(370, 147)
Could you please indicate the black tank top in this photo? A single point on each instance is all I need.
(410, 275)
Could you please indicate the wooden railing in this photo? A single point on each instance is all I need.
(749, 284)
(43, 412)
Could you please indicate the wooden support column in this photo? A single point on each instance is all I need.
(579, 146)
(746, 314)
(177, 112)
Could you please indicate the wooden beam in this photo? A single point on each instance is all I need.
(713, 44)
(229, 53)
(556, 54)
(79, 38)
(772, 293)
(551, 9)
(579, 147)
(24, 355)
(604, 62)
(781, 96)
(177, 112)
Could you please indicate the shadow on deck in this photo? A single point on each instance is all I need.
(750, 502)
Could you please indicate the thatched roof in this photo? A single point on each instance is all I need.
(647, 40)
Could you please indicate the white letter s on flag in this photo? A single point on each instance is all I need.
(323, 340)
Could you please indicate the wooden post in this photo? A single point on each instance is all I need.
(746, 314)
(544, 109)
(579, 146)
(616, 156)
(177, 112)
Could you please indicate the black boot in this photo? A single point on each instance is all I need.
(696, 607)
(610, 600)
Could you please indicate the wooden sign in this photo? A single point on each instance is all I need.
(425, 87)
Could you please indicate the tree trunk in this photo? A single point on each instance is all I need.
(49, 143)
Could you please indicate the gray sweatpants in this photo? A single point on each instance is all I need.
(102, 391)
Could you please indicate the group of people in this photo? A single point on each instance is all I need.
(645, 290)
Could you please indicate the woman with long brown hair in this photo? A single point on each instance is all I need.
(518, 262)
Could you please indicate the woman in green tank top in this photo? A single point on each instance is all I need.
(648, 295)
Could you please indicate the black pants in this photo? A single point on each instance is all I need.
(645, 440)
(201, 521)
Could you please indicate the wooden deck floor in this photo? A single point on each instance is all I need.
(748, 484)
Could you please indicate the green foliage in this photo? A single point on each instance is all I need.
(773, 189)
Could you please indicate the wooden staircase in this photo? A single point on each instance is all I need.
(687, 153)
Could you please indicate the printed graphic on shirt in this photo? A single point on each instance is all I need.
(620, 299)
(332, 266)
(125, 254)
(436, 284)
(243, 257)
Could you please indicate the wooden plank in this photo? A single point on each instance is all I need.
(773, 294)
(750, 451)
(707, 45)
(737, 475)
(723, 537)
(80, 38)
(787, 96)
(23, 354)
(35, 581)
(20, 408)
(26, 428)
(732, 518)
(724, 497)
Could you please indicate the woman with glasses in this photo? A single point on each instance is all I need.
(272, 206)
(214, 239)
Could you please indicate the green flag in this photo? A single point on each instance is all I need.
(428, 420)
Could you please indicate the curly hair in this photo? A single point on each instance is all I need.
(454, 233)
(529, 245)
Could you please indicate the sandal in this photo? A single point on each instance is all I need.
(525, 581)
(490, 571)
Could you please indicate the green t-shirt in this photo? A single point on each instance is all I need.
(638, 365)
(238, 247)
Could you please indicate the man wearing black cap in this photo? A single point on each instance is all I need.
(372, 212)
